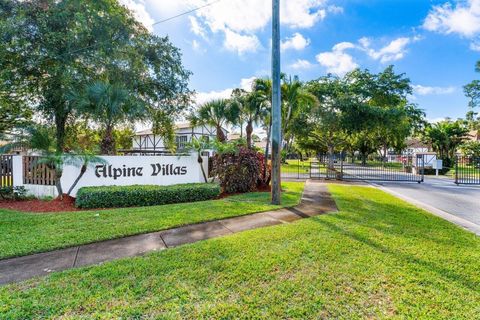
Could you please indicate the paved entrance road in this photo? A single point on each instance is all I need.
(461, 201)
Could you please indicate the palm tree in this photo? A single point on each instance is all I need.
(216, 113)
(83, 160)
(254, 110)
(110, 105)
(294, 97)
(41, 139)
(198, 146)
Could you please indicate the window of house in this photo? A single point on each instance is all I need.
(181, 141)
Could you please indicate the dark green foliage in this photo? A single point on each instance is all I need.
(240, 171)
(15, 193)
(149, 195)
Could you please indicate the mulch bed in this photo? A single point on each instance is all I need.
(67, 205)
(41, 206)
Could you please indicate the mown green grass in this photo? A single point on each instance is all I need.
(378, 257)
(25, 233)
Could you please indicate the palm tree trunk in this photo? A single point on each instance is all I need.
(58, 182)
(220, 135)
(108, 142)
(200, 162)
(267, 147)
(82, 172)
(249, 134)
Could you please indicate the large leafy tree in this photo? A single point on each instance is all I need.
(12, 116)
(327, 123)
(51, 48)
(472, 91)
(390, 117)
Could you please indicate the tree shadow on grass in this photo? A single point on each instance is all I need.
(445, 273)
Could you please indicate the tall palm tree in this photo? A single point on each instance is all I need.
(216, 113)
(294, 98)
(253, 111)
(110, 105)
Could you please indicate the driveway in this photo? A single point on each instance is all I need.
(463, 202)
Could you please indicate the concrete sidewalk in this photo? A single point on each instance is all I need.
(315, 200)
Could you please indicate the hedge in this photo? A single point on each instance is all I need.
(144, 195)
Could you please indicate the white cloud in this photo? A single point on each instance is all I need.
(242, 19)
(462, 19)
(426, 90)
(203, 97)
(301, 64)
(337, 61)
(196, 28)
(475, 46)
(334, 9)
(297, 42)
(394, 51)
(139, 12)
(246, 83)
(240, 43)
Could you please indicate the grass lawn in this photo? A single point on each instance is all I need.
(378, 257)
(25, 233)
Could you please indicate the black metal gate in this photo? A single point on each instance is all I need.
(6, 171)
(467, 170)
(405, 168)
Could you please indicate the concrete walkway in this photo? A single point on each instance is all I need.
(315, 200)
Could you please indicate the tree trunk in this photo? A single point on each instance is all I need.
(108, 142)
(249, 131)
(331, 152)
(58, 182)
(82, 172)
(267, 147)
(60, 124)
(200, 162)
(220, 135)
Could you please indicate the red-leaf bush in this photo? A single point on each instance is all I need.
(241, 171)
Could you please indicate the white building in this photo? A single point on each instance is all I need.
(147, 142)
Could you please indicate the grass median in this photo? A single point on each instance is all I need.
(378, 257)
(26, 233)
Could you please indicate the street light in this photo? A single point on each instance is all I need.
(276, 105)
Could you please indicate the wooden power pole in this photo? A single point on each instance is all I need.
(276, 105)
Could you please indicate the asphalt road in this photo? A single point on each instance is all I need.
(441, 193)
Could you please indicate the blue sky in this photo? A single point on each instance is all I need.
(436, 43)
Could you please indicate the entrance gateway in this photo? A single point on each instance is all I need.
(405, 168)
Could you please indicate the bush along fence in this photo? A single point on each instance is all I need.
(131, 196)
(39, 180)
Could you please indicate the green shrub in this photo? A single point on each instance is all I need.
(15, 193)
(140, 195)
(241, 171)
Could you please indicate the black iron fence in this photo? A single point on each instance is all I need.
(406, 168)
(467, 170)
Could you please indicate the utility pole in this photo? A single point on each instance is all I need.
(276, 105)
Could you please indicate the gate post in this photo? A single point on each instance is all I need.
(341, 167)
(456, 170)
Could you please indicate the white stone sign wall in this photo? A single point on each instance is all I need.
(123, 171)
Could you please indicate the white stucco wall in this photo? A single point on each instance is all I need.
(123, 171)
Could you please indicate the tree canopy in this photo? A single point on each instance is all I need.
(52, 48)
